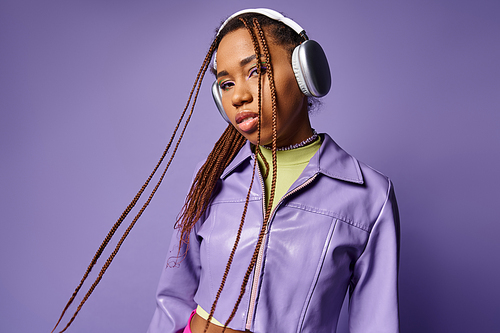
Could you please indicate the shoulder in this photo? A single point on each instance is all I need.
(336, 163)
(363, 190)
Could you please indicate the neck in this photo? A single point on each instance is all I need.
(303, 143)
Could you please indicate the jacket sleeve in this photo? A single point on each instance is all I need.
(177, 287)
(373, 305)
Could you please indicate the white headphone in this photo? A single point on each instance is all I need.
(309, 61)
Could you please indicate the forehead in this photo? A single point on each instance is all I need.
(235, 46)
(238, 45)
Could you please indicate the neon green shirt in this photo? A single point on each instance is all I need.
(291, 163)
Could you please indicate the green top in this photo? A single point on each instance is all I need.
(291, 163)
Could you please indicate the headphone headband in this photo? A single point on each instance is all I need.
(269, 13)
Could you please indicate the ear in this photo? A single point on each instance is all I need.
(311, 69)
(216, 94)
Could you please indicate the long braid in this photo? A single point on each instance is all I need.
(268, 209)
(206, 179)
(233, 251)
(274, 114)
(205, 182)
(247, 199)
(195, 89)
(273, 183)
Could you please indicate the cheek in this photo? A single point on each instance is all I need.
(287, 91)
(226, 102)
(285, 80)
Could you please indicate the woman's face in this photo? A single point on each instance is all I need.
(237, 76)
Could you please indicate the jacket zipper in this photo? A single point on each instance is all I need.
(258, 264)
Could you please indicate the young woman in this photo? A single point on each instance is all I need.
(280, 222)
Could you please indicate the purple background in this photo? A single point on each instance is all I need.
(89, 94)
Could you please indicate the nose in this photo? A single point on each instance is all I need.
(242, 94)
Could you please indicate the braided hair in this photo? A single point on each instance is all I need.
(232, 141)
(207, 177)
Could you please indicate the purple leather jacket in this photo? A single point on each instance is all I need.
(336, 228)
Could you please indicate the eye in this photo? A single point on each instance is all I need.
(225, 85)
(254, 72)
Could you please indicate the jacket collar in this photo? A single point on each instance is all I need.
(330, 160)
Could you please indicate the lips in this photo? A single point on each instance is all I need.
(247, 121)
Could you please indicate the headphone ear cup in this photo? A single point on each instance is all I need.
(298, 72)
(216, 94)
(311, 69)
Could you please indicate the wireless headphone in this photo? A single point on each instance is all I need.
(309, 61)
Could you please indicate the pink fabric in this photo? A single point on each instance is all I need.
(187, 329)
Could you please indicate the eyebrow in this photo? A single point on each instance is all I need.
(243, 62)
(247, 60)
